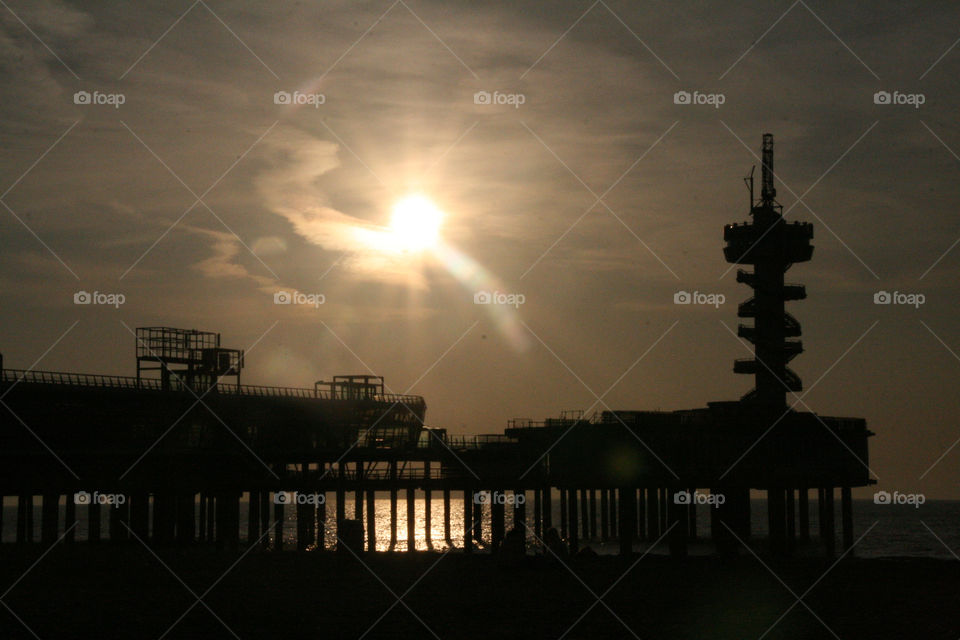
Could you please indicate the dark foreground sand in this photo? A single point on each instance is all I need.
(109, 592)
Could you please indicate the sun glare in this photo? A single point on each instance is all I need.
(415, 223)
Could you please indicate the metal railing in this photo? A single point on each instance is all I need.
(20, 376)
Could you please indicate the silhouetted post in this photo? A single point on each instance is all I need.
(305, 519)
(547, 508)
(692, 515)
(139, 514)
(846, 516)
(93, 521)
(653, 514)
(665, 499)
(446, 517)
(564, 528)
(584, 529)
(211, 517)
(371, 520)
(642, 513)
(827, 531)
(497, 519)
(613, 510)
(230, 506)
(69, 519)
(49, 509)
(393, 505)
(467, 520)
(120, 521)
(477, 518)
(791, 521)
(520, 510)
(411, 519)
(277, 524)
(264, 518)
(341, 497)
(186, 518)
(776, 519)
(604, 515)
(537, 513)
(358, 493)
(321, 520)
(253, 517)
(627, 519)
(804, 508)
(593, 511)
(677, 515)
(22, 507)
(574, 528)
(427, 515)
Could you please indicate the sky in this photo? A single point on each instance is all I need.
(586, 191)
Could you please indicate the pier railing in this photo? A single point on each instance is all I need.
(18, 376)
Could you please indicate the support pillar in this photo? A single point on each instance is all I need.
(411, 519)
(371, 520)
(804, 508)
(846, 517)
(572, 517)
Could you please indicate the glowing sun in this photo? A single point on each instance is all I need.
(415, 223)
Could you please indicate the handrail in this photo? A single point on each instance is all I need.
(17, 376)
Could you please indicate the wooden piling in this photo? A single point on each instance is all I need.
(804, 515)
(642, 513)
(584, 515)
(49, 513)
(846, 517)
(371, 520)
(277, 523)
(572, 524)
(497, 519)
(827, 528)
(467, 519)
(537, 513)
(358, 494)
(93, 521)
(70, 519)
(776, 520)
(139, 514)
(593, 512)
(627, 518)
(547, 508)
(653, 514)
(321, 520)
(564, 528)
(791, 506)
(604, 515)
(253, 517)
(186, 518)
(446, 517)
(393, 505)
(427, 514)
(411, 519)
(677, 523)
(692, 516)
